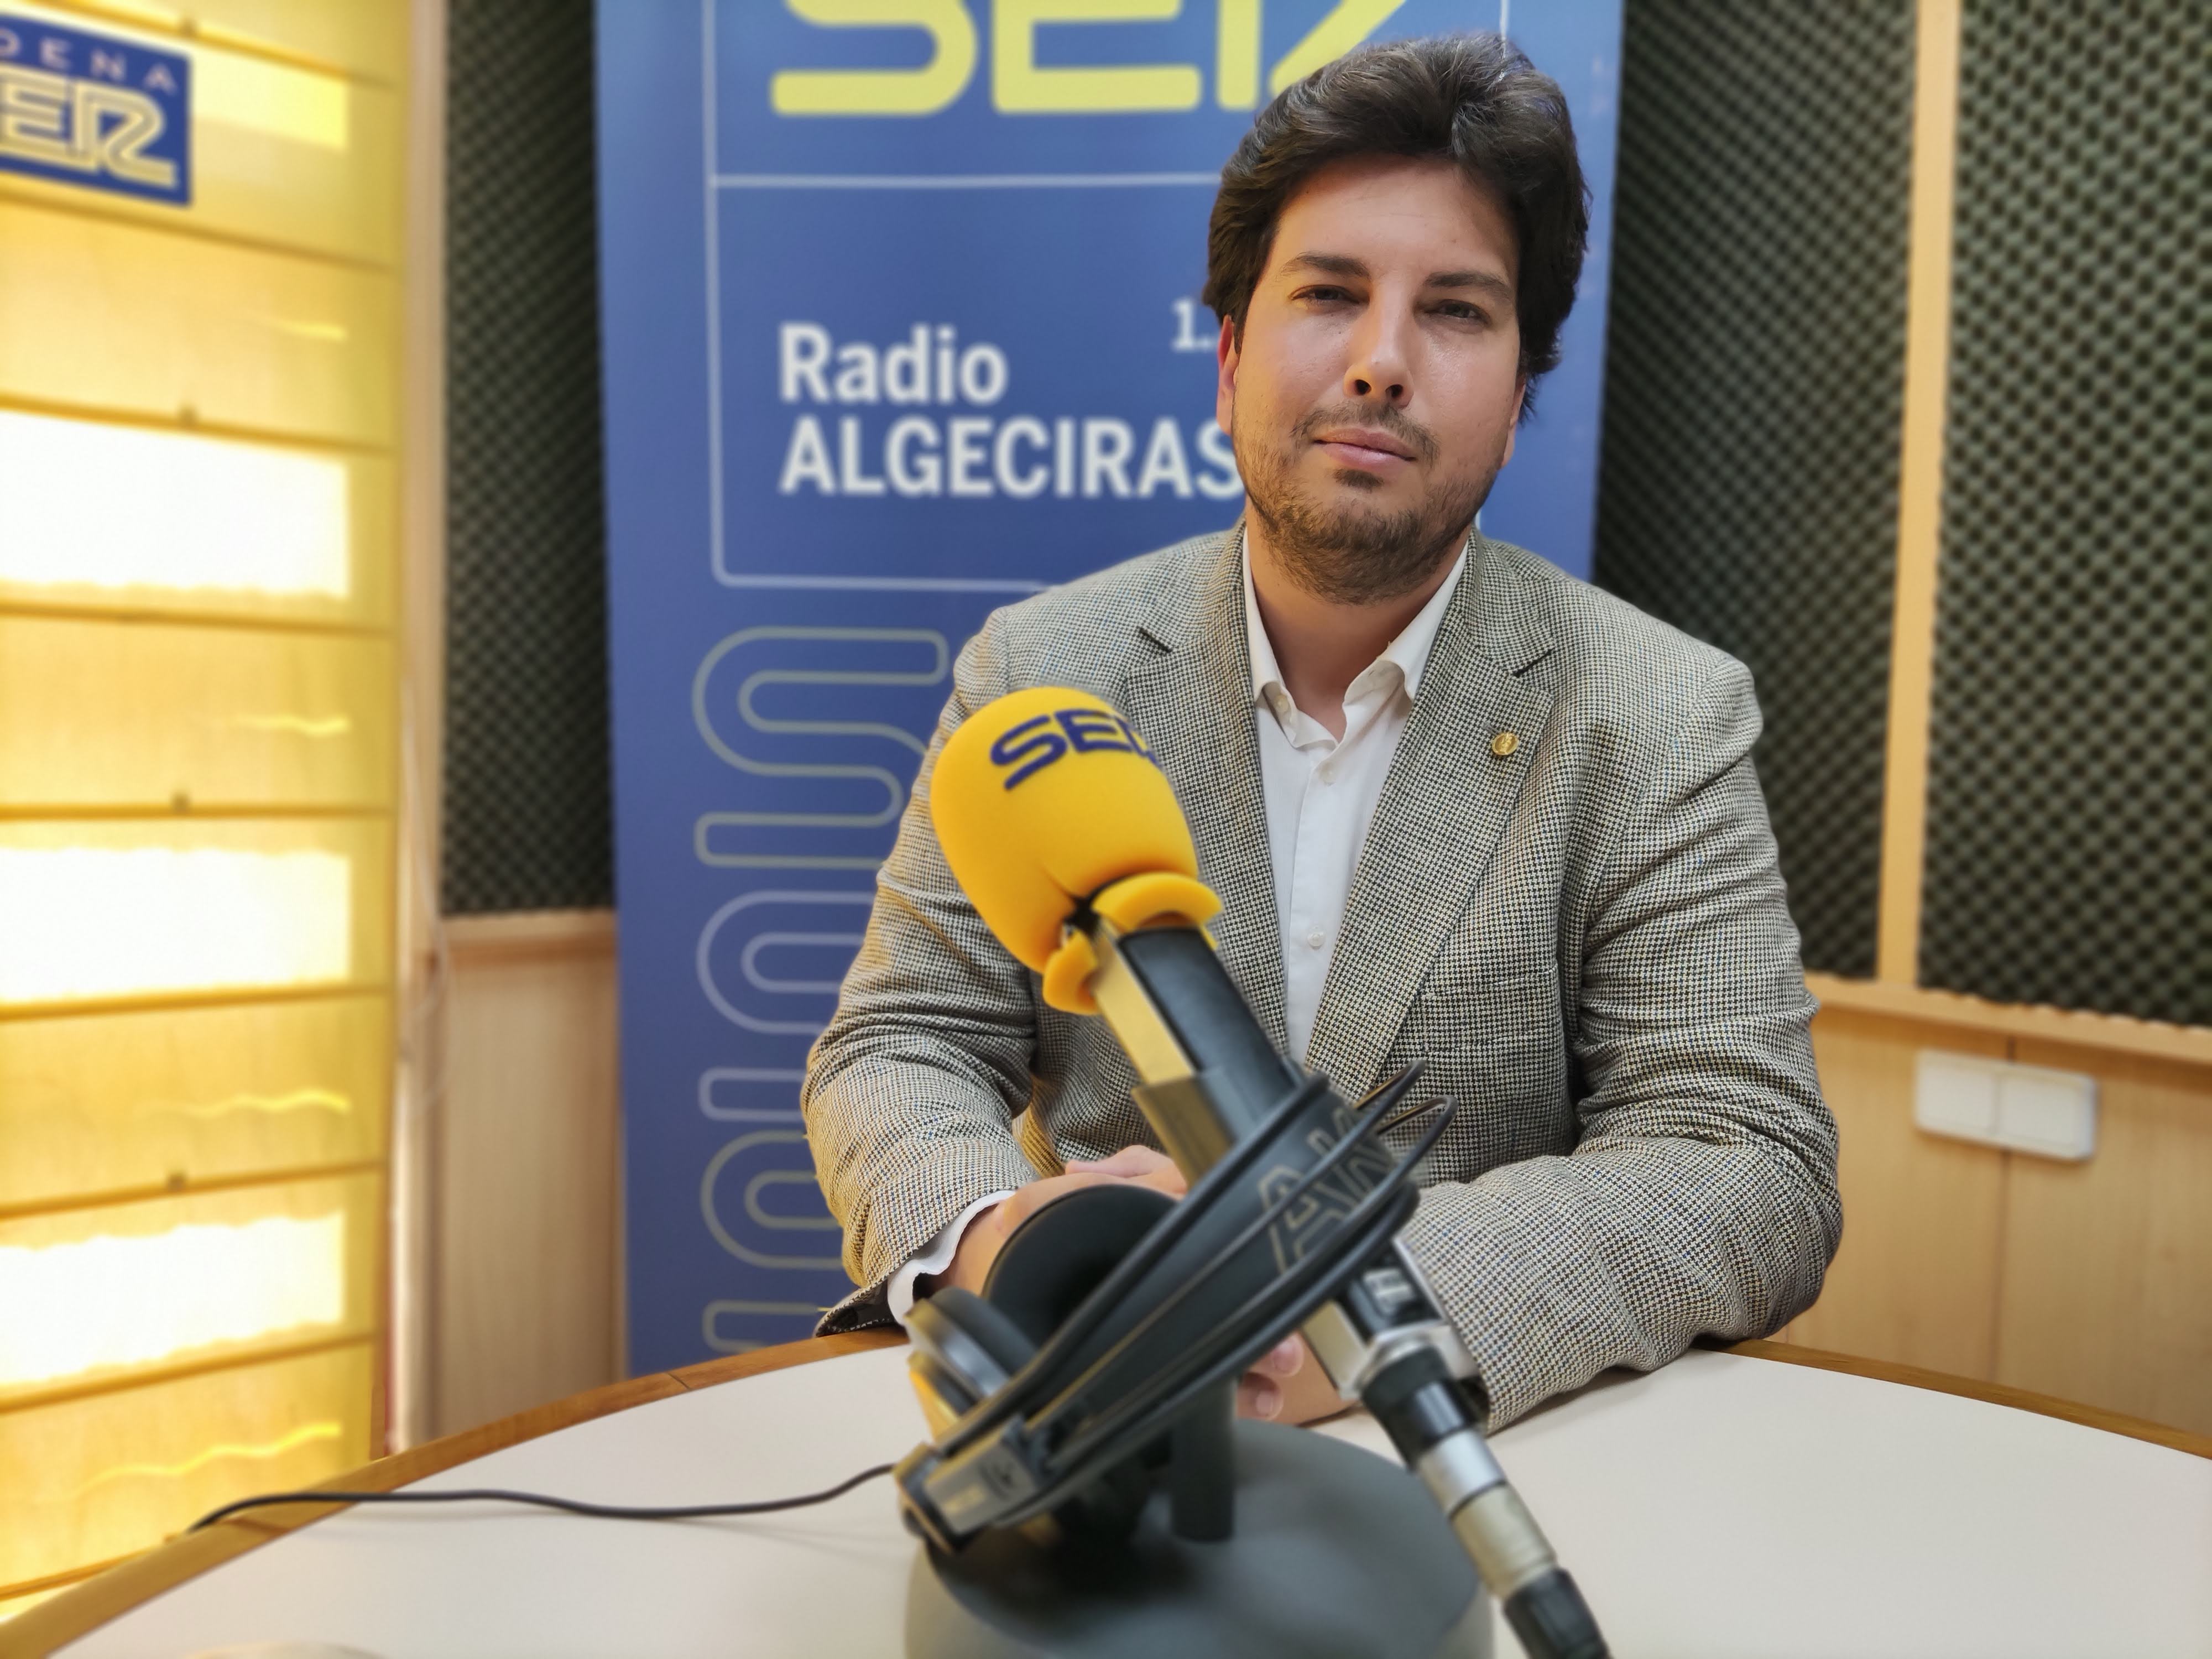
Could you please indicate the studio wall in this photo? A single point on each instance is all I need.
(2069, 767)
(1905, 299)
(527, 811)
(1756, 435)
(200, 780)
(1755, 369)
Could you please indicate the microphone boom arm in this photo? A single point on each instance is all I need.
(1205, 1084)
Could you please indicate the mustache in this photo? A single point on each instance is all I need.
(1410, 433)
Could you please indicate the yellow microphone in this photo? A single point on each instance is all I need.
(1071, 845)
(1048, 805)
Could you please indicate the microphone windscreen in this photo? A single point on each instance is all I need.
(1040, 798)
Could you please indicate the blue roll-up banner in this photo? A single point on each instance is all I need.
(900, 323)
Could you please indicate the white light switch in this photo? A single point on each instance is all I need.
(1957, 1095)
(2025, 1108)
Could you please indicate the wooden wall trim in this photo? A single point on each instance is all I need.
(419, 1036)
(523, 935)
(2187, 1045)
(528, 1147)
(1919, 490)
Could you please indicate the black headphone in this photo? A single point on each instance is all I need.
(1116, 1320)
(966, 1347)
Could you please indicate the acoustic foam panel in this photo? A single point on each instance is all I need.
(2069, 797)
(1755, 376)
(528, 820)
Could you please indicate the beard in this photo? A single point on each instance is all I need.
(1350, 554)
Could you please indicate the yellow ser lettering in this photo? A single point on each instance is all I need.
(921, 91)
(118, 148)
(1020, 86)
(35, 108)
(1237, 54)
(1353, 22)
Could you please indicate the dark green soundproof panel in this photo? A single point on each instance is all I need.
(527, 814)
(1754, 378)
(2069, 791)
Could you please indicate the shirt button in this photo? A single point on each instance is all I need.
(1314, 940)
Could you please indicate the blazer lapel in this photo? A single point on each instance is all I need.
(1443, 806)
(1193, 704)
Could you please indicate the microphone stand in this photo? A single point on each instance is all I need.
(1208, 1075)
(1292, 1219)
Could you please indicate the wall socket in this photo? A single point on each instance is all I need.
(2023, 1109)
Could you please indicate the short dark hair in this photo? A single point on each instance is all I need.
(1470, 99)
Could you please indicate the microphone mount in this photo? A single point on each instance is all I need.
(1291, 1222)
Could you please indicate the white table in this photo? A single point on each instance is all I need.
(1724, 1506)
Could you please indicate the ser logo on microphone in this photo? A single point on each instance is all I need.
(1036, 744)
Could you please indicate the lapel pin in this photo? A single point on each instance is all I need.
(1503, 744)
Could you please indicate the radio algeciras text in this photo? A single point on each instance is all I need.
(1019, 456)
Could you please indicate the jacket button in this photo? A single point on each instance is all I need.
(1503, 744)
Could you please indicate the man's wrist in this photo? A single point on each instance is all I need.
(926, 1270)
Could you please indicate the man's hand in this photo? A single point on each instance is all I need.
(1287, 1386)
(987, 1233)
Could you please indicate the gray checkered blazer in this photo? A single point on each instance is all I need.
(1585, 938)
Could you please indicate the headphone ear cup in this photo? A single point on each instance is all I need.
(986, 1326)
(963, 1348)
(1059, 1255)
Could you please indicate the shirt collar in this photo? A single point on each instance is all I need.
(1409, 652)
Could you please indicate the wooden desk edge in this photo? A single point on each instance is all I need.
(77, 1613)
(1993, 1394)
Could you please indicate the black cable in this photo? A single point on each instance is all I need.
(572, 1506)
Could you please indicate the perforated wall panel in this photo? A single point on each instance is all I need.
(2070, 800)
(527, 811)
(1753, 384)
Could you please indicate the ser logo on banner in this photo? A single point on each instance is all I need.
(1020, 85)
(94, 111)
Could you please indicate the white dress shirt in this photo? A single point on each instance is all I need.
(1320, 792)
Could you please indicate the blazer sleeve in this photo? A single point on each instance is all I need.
(911, 1091)
(1701, 1194)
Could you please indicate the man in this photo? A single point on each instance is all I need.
(1459, 806)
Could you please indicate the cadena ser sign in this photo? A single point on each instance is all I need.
(94, 111)
(901, 322)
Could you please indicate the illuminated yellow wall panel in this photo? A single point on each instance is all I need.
(103, 1104)
(365, 37)
(102, 1475)
(110, 713)
(287, 156)
(199, 760)
(202, 535)
(238, 336)
(104, 911)
(90, 1295)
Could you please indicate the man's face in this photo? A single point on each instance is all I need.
(1372, 397)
